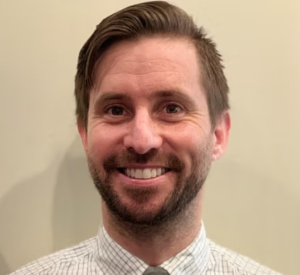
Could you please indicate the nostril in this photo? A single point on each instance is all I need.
(141, 142)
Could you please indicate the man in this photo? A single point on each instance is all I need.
(152, 113)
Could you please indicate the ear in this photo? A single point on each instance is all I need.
(83, 134)
(221, 135)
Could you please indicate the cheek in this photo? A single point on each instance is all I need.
(189, 144)
(185, 137)
(102, 141)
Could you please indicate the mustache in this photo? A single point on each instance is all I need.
(126, 158)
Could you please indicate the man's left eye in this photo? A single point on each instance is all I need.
(172, 109)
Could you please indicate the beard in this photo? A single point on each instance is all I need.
(185, 190)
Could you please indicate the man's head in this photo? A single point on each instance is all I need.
(152, 111)
(146, 20)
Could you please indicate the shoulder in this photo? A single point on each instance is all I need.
(61, 261)
(233, 263)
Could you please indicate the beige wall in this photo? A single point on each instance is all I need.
(47, 200)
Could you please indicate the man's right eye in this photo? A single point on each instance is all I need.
(115, 111)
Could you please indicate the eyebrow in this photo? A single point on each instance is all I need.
(177, 94)
(111, 96)
(172, 94)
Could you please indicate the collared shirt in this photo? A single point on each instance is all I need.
(102, 255)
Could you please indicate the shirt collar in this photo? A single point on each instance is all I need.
(111, 255)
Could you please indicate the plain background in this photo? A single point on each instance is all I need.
(47, 200)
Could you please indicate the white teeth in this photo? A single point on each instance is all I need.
(158, 172)
(138, 174)
(153, 173)
(147, 173)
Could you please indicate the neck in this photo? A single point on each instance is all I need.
(156, 244)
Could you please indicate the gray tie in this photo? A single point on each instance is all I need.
(155, 271)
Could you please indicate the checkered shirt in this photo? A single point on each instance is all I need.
(102, 255)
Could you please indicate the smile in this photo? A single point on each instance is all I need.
(147, 173)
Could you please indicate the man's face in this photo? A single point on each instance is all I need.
(149, 140)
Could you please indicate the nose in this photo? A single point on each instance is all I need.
(143, 135)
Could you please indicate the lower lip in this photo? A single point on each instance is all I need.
(143, 182)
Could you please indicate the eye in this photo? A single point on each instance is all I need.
(116, 111)
(173, 109)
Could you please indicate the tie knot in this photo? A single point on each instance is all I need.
(155, 271)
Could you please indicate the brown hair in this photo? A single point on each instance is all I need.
(146, 19)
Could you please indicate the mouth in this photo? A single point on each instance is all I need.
(144, 173)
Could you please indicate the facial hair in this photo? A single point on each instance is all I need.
(186, 188)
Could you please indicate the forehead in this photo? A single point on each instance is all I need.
(149, 64)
